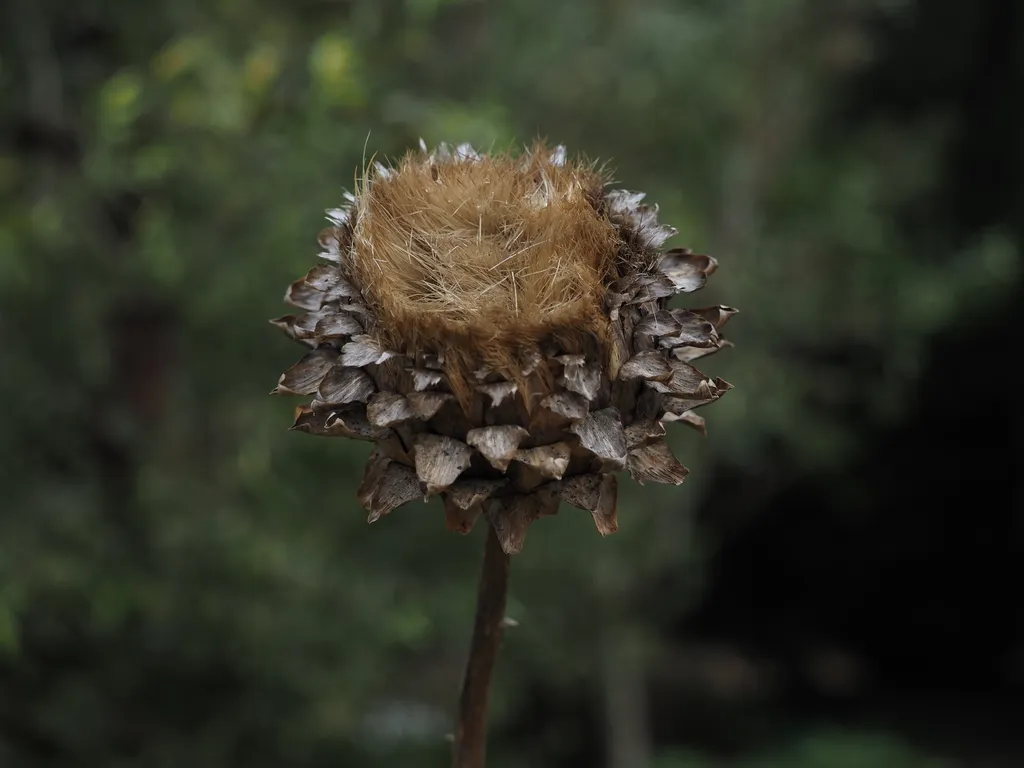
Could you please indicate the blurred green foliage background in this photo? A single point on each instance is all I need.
(183, 582)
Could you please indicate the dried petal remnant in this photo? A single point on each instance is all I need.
(596, 494)
(439, 461)
(344, 385)
(549, 461)
(602, 434)
(649, 364)
(387, 409)
(426, 404)
(656, 463)
(497, 444)
(305, 376)
(581, 375)
(463, 502)
(512, 515)
(386, 485)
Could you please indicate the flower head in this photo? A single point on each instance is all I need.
(498, 326)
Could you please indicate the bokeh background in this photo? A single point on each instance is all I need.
(837, 585)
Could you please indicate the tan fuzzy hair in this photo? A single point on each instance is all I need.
(481, 258)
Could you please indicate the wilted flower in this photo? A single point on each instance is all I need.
(499, 327)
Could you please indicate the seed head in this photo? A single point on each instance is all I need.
(499, 327)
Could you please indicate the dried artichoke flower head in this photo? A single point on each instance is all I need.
(498, 326)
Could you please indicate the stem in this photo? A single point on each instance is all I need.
(471, 733)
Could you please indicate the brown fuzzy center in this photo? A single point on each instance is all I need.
(500, 249)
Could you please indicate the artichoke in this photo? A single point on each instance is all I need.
(498, 326)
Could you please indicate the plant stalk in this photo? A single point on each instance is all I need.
(470, 750)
